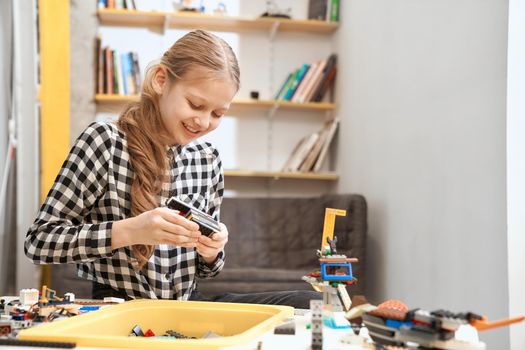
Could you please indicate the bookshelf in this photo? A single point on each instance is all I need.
(281, 175)
(239, 103)
(239, 107)
(136, 18)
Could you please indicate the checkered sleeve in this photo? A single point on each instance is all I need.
(63, 231)
(216, 194)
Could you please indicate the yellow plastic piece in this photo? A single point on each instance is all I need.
(238, 323)
(329, 224)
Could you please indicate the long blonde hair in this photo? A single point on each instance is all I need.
(141, 121)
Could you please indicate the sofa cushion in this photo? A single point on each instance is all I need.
(273, 241)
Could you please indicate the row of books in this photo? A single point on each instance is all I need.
(324, 10)
(117, 4)
(310, 82)
(310, 152)
(116, 73)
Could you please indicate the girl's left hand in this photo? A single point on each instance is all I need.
(209, 247)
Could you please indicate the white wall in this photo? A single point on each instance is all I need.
(422, 91)
(516, 167)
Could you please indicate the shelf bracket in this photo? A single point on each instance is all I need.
(328, 115)
(274, 29)
(274, 109)
(166, 24)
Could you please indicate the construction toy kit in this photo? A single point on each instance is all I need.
(30, 318)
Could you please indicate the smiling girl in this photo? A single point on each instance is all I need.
(104, 211)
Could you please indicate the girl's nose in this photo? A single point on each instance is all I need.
(203, 121)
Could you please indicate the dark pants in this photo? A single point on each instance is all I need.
(299, 299)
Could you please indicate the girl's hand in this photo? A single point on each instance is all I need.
(209, 247)
(156, 226)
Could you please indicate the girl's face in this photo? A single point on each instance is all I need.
(193, 106)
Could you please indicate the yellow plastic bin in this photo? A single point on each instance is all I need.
(110, 327)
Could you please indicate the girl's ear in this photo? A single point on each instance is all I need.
(160, 79)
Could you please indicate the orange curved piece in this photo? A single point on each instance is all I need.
(484, 324)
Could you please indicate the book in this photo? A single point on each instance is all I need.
(117, 85)
(317, 9)
(99, 66)
(334, 10)
(293, 154)
(109, 70)
(283, 85)
(288, 85)
(326, 145)
(315, 82)
(126, 73)
(136, 71)
(304, 82)
(302, 151)
(327, 84)
(289, 94)
(312, 156)
(324, 76)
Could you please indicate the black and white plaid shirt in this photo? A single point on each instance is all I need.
(93, 189)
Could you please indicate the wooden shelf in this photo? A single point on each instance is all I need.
(281, 175)
(320, 106)
(323, 106)
(120, 99)
(188, 20)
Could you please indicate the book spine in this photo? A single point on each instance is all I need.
(317, 9)
(289, 84)
(334, 11)
(277, 96)
(99, 88)
(131, 74)
(124, 73)
(327, 84)
(330, 63)
(326, 145)
(315, 81)
(328, 10)
(109, 71)
(304, 151)
(116, 75)
(298, 96)
(136, 71)
(296, 83)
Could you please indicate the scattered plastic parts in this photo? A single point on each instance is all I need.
(113, 300)
(285, 328)
(42, 344)
(136, 332)
(149, 333)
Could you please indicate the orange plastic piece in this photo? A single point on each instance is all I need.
(394, 304)
(484, 324)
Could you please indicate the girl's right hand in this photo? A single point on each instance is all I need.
(156, 226)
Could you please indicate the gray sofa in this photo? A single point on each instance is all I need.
(272, 244)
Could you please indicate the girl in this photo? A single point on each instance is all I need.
(104, 211)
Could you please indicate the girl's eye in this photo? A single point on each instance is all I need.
(194, 106)
(217, 115)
